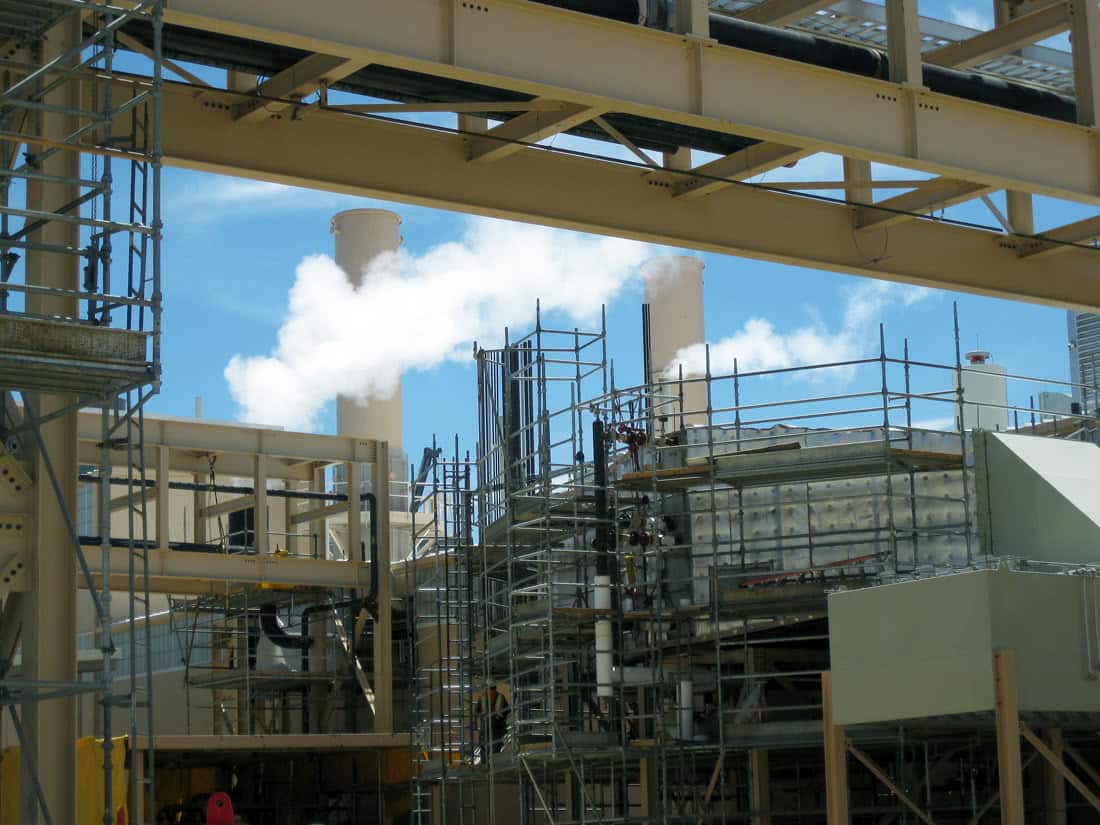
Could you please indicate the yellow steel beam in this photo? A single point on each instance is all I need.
(1056, 762)
(783, 12)
(428, 167)
(750, 161)
(550, 53)
(939, 195)
(1007, 710)
(191, 566)
(303, 78)
(1021, 31)
(1056, 240)
(513, 135)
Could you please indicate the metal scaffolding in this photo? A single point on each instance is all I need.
(448, 676)
(650, 583)
(80, 231)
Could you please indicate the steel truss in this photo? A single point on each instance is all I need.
(80, 230)
(649, 584)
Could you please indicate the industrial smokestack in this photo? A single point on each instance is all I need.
(361, 236)
(674, 292)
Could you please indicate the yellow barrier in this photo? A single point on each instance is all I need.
(89, 789)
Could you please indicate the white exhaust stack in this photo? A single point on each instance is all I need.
(362, 235)
(674, 292)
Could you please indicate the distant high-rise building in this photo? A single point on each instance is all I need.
(1084, 355)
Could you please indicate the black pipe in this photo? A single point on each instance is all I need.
(372, 597)
(273, 629)
(602, 543)
(846, 57)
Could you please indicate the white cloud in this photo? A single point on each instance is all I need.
(204, 197)
(971, 17)
(759, 345)
(415, 312)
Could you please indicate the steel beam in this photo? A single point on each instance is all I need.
(383, 628)
(303, 78)
(550, 53)
(1055, 240)
(753, 160)
(1005, 38)
(1085, 35)
(428, 167)
(894, 210)
(836, 758)
(1007, 711)
(49, 617)
(194, 566)
(903, 38)
(513, 135)
(1055, 761)
(783, 12)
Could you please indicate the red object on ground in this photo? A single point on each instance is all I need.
(219, 809)
(120, 817)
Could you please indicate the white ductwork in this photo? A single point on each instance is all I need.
(361, 235)
(674, 293)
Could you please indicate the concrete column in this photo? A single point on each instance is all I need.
(49, 618)
(674, 292)
(361, 236)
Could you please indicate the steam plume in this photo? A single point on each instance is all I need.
(415, 312)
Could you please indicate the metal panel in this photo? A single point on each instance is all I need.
(895, 648)
(1039, 498)
(925, 648)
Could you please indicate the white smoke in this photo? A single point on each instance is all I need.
(415, 312)
(758, 345)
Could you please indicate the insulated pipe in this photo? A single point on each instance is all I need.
(361, 236)
(274, 630)
(687, 710)
(601, 597)
(846, 57)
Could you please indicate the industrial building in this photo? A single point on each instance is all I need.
(684, 601)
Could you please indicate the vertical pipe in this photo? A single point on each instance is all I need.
(960, 405)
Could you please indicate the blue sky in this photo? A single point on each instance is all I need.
(232, 247)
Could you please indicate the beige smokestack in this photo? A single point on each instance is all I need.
(361, 235)
(674, 292)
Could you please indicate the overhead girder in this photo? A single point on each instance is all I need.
(429, 167)
(303, 78)
(782, 12)
(938, 194)
(513, 136)
(753, 160)
(1021, 31)
(531, 49)
(1055, 240)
